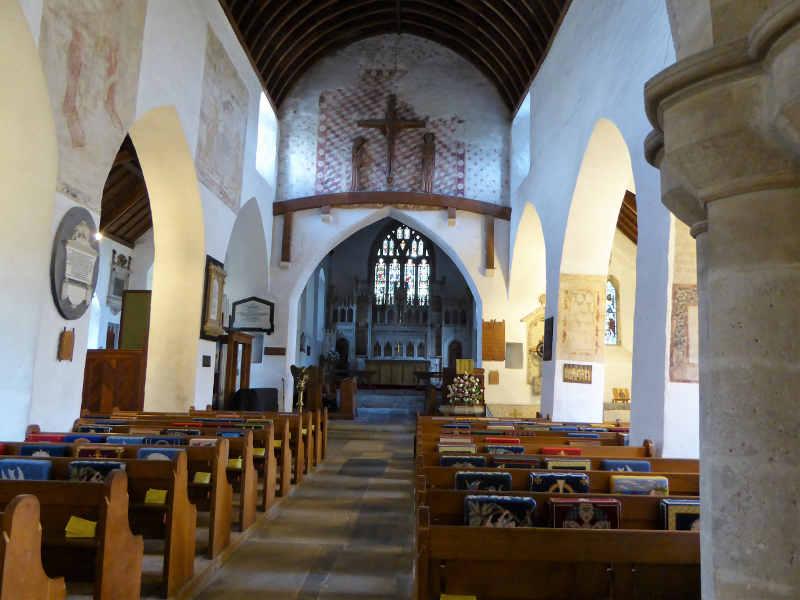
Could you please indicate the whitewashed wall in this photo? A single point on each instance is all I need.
(619, 358)
(433, 81)
(312, 239)
(170, 74)
(596, 68)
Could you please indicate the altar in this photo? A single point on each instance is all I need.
(395, 372)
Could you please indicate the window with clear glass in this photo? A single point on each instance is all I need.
(611, 335)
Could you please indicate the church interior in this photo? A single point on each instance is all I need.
(409, 299)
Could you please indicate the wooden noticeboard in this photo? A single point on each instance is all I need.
(134, 329)
(494, 340)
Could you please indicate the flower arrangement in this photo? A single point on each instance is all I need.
(465, 389)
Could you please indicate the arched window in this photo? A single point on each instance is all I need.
(403, 267)
(410, 349)
(612, 333)
(376, 349)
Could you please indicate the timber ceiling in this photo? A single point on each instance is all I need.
(125, 212)
(627, 222)
(506, 39)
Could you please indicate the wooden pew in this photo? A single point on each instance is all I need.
(266, 464)
(22, 576)
(665, 465)
(638, 512)
(543, 563)
(175, 521)
(215, 497)
(244, 479)
(443, 478)
(113, 558)
(297, 457)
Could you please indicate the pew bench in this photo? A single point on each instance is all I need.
(173, 520)
(443, 478)
(22, 575)
(214, 496)
(544, 563)
(112, 559)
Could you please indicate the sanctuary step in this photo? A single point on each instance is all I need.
(378, 406)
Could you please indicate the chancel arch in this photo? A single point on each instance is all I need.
(595, 243)
(314, 240)
(390, 267)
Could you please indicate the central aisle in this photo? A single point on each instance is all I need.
(345, 532)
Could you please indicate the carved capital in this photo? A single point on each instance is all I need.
(726, 120)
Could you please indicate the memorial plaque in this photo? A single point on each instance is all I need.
(74, 264)
(253, 314)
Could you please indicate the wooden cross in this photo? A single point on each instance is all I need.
(391, 126)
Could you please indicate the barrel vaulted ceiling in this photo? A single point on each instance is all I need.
(506, 39)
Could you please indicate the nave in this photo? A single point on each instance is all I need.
(346, 532)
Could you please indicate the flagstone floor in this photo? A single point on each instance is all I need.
(345, 533)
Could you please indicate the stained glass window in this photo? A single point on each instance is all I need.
(611, 314)
(404, 256)
(380, 281)
(394, 280)
(410, 280)
(423, 282)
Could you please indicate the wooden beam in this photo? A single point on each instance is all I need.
(311, 35)
(123, 156)
(355, 199)
(248, 50)
(451, 216)
(111, 214)
(556, 27)
(326, 213)
(286, 242)
(489, 243)
(383, 24)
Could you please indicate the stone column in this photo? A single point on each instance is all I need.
(727, 141)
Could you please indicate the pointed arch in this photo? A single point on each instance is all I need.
(307, 256)
(605, 175)
(178, 267)
(246, 263)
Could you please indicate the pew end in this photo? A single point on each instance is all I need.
(23, 575)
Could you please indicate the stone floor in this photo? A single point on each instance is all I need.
(346, 532)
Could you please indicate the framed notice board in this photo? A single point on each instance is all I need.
(134, 320)
(494, 340)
